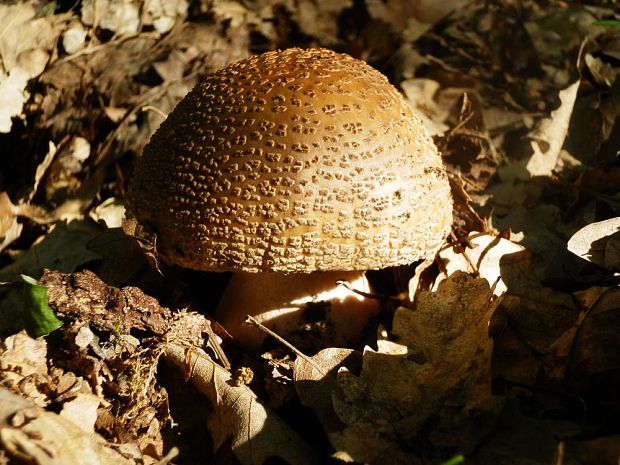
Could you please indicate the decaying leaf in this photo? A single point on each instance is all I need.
(25, 43)
(32, 435)
(118, 16)
(598, 243)
(12, 97)
(431, 379)
(23, 366)
(83, 296)
(590, 347)
(240, 419)
(64, 248)
(82, 411)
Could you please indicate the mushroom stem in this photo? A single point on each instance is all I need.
(289, 303)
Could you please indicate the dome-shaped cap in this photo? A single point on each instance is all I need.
(294, 161)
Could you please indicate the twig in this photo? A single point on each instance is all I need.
(252, 321)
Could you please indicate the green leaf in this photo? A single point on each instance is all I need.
(40, 318)
(454, 460)
(607, 22)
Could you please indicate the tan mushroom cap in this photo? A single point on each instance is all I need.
(292, 161)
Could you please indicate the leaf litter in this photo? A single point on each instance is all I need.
(504, 350)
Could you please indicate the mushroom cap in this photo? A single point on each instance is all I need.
(292, 161)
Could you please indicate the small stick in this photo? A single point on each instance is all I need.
(344, 283)
(252, 321)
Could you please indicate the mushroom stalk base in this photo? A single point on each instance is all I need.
(297, 307)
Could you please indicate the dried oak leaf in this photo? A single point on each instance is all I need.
(315, 381)
(590, 348)
(484, 254)
(31, 435)
(430, 382)
(10, 228)
(398, 13)
(598, 243)
(25, 44)
(239, 418)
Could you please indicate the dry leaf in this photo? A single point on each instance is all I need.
(111, 212)
(547, 139)
(483, 254)
(315, 381)
(397, 12)
(25, 43)
(31, 435)
(82, 411)
(420, 94)
(119, 16)
(163, 14)
(12, 97)
(10, 228)
(591, 347)
(23, 366)
(598, 243)
(433, 375)
(74, 38)
(319, 18)
(239, 418)
(603, 73)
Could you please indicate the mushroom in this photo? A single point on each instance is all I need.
(293, 169)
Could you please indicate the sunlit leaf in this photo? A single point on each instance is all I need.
(40, 318)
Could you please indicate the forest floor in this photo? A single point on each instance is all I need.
(506, 350)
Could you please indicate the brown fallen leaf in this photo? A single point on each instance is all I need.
(530, 319)
(399, 13)
(239, 418)
(484, 255)
(315, 382)
(23, 367)
(598, 243)
(319, 18)
(548, 137)
(591, 347)
(25, 43)
(10, 229)
(30, 434)
(430, 381)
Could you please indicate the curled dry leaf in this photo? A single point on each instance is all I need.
(10, 229)
(483, 254)
(254, 432)
(598, 243)
(548, 138)
(29, 434)
(23, 366)
(433, 375)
